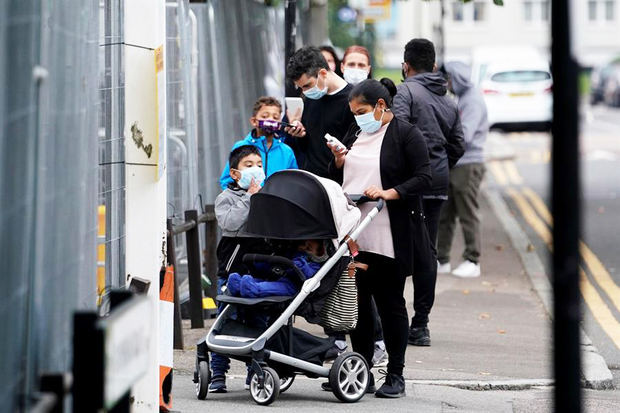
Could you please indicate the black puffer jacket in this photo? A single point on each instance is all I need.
(422, 101)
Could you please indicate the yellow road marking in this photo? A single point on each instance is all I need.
(513, 173)
(594, 264)
(599, 309)
(498, 173)
(530, 216)
(595, 302)
(539, 205)
(600, 274)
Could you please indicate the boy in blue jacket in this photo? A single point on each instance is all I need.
(275, 154)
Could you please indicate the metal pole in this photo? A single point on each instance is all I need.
(193, 270)
(172, 260)
(290, 32)
(566, 213)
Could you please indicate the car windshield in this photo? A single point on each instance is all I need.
(521, 76)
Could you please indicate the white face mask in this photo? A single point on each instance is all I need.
(354, 76)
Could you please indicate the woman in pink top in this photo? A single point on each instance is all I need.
(385, 158)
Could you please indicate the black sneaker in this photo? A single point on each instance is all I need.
(370, 389)
(419, 336)
(218, 384)
(392, 388)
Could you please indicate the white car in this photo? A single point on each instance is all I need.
(518, 94)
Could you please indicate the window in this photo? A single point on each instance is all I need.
(474, 11)
(601, 10)
(479, 9)
(457, 11)
(521, 76)
(536, 11)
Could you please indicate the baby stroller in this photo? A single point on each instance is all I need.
(292, 205)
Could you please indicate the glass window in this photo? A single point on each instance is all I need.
(544, 10)
(592, 10)
(609, 10)
(479, 9)
(521, 76)
(457, 11)
(527, 11)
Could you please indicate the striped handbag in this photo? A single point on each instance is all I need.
(339, 312)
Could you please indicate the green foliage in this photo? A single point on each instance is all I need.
(344, 35)
(394, 74)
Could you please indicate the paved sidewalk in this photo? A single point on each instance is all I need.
(488, 333)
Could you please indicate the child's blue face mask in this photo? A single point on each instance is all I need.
(247, 174)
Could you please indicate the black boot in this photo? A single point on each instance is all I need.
(419, 336)
(392, 388)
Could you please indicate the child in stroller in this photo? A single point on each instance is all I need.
(292, 207)
(308, 257)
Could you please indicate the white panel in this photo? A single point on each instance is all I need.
(145, 195)
(142, 22)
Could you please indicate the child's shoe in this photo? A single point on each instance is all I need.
(218, 384)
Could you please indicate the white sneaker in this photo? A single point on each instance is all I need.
(443, 268)
(467, 269)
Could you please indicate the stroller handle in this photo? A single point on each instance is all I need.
(275, 260)
(362, 199)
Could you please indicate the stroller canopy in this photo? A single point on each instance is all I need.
(298, 205)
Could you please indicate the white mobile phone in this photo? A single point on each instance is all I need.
(294, 104)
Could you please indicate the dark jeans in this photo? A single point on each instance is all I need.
(382, 282)
(463, 204)
(424, 283)
(219, 363)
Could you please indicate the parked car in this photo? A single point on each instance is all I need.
(518, 93)
(611, 92)
(598, 82)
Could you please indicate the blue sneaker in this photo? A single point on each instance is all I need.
(218, 384)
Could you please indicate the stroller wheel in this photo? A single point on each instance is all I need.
(286, 382)
(202, 385)
(270, 389)
(348, 377)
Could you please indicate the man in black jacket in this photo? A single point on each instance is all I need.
(326, 108)
(422, 101)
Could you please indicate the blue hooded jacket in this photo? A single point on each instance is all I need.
(280, 156)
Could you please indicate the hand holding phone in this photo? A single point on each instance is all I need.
(335, 145)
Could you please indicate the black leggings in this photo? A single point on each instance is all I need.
(383, 282)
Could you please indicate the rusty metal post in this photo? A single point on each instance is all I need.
(193, 270)
(210, 248)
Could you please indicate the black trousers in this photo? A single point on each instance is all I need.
(383, 282)
(424, 283)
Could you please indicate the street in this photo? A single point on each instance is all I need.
(525, 184)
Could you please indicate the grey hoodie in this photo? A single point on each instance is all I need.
(422, 101)
(473, 112)
(231, 210)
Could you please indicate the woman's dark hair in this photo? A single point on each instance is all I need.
(370, 91)
(332, 52)
(239, 153)
(308, 60)
(420, 55)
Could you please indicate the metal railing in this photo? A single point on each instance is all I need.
(191, 228)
